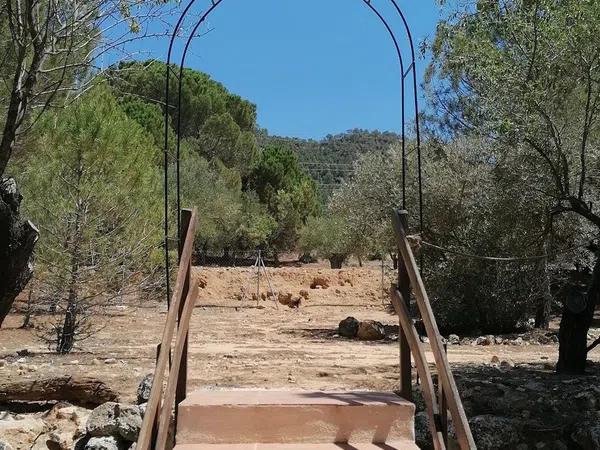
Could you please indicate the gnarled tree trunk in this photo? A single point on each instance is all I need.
(578, 313)
(17, 241)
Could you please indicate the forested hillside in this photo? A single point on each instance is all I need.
(330, 160)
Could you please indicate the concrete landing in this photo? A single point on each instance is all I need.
(405, 445)
(301, 419)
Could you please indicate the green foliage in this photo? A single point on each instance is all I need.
(329, 161)
(329, 237)
(219, 124)
(288, 192)
(91, 185)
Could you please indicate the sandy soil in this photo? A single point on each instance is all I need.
(235, 343)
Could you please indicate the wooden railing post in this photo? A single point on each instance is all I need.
(181, 393)
(404, 288)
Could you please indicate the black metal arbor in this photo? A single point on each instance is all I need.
(404, 72)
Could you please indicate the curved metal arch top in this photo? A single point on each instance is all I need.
(403, 74)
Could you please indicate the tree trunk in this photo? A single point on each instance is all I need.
(66, 339)
(83, 391)
(578, 313)
(17, 241)
(336, 261)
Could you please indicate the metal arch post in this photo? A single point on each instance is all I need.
(214, 4)
(417, 115)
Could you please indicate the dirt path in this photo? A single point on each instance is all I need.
(233, 343)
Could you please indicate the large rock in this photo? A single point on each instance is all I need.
(348, 327)
(114, 419)
(494, 432)
(370, 330)
(129, 422)
(587, 434)
(143, 390)
(105, 443)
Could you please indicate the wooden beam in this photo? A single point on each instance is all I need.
(145, 437)
(404, 288)
(459, 418)
(431, 404)
(178, 358)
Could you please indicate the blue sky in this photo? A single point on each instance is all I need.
(312, 67)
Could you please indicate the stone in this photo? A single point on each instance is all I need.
(348, 327)
(507, 364)
(304, 294)
(493, 432)
(5, 446)
(484, 340)
(104, 443)
(587, 435)
(495, 360)
(285, 298)
(319, 282)
(110, 361)
(142, 407)
(114, 419)
(422, 433)
(103, 420)
(129, 422)
(144, 388)
(370, 330)
(517, 341)
(453, 339)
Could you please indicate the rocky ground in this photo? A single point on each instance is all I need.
(510, 392)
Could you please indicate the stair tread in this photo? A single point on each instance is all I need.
(291, 398)
(396, 445)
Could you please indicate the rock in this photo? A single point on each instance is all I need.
(114, 419)
(319, 282)
(348, 327)
(586, 401)
(370, 330)
(142, 407)
(422, 433)
(143, 390)
(5, 446)
(484, 340)
(129, 422)
(517, 341)
(507, 364)
(201, 280)
(453, 339)
(495, 360)
(103, 420)
(493, 432)
(587, 435)
(304, 294)
(110, 361)
(285, 299)
(104, 443)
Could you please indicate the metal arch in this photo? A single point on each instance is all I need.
(214, 4)
(400, 59)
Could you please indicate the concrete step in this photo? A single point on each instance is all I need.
(399, 445)
(294, 417)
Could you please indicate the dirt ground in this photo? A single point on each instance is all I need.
(235, 343)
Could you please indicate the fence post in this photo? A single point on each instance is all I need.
(181, 392)
(404, 288)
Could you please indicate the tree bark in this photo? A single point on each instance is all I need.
(83, 391)
(17, 241)
(574, 327)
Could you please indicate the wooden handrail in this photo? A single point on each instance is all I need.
(445, 377)
(145, 439)
(422, 367)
